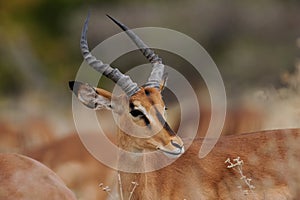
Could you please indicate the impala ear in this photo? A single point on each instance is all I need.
(163, 82)
(94, 98)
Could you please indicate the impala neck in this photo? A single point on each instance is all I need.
(128, 180)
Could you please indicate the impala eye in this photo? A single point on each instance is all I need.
(141, 115)
(136, 113)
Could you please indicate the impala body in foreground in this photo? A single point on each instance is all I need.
(22, 178)
(251, 166)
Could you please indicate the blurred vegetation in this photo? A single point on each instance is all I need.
(252, 42)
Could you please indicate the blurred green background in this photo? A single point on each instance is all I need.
(252, 42)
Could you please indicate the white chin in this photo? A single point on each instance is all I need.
(172, 155)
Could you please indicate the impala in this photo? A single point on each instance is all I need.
(261, 165)
(80, 171)
(23, 178)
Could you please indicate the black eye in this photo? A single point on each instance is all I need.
(136, 113)
(166, 108)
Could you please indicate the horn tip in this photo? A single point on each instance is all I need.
(110, 17)
(88, 17)
(122, 26)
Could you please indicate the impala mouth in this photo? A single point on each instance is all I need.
(172, 154)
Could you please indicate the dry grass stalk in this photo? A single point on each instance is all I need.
(237, 165)
(120, 196)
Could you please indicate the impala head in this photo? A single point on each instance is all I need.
(140, 109)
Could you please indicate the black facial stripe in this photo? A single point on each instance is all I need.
(164, 123)
(168, 128)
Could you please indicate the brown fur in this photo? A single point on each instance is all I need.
(267, 160)
(74, 164)
(24, 178)
(131, 143)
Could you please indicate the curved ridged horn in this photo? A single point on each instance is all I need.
(124, 81)
(157, 73)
